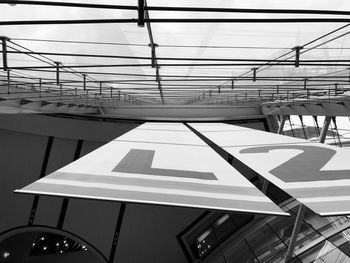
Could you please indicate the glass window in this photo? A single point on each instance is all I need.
(342, 241)
(223, 227)
(264, 243)
(325, 252)
(312, 254)
(343, 125)
(325, 225)
(206, 242)
(239, 252)
(203, 237)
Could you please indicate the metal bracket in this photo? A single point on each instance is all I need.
(153, 54)
(254, 73)
(297, 55)
(57, 72)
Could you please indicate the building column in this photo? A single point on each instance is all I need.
(324, 130)
(296, 230)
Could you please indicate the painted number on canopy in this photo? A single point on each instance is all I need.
(138, 161)
(306, 166)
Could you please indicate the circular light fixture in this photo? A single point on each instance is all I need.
(5, 254)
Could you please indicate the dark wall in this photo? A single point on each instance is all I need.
(20, 161)
(148, 233)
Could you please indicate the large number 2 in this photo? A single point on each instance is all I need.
(304, 167)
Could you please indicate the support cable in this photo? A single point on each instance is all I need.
(167, 45)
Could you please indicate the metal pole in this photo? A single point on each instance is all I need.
(84, 82)
(297, 55)
(65, 201)
(317, 127)
(335, 89)
(324, 130)
(302, 126)
(40, 88)
(254, 74)
(42, 174)
(264, 186)
(280, 128)
(336, 129)
(4, 52)
(141, 13)
(117, 232)
(57, 73)
(8, 81)
(295, 233)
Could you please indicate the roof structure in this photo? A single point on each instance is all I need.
(174, 52)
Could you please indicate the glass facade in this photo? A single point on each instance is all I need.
(266, 239)
(309, 127)
(235, 237)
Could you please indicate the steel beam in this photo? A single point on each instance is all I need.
(254, 74)
(141, 13)
(117, 233)
(324, 130)
(4, 52)
(295, 233)
(84, 82)
(57, 73)
(297, 55)
(8, 81)
(40, 87)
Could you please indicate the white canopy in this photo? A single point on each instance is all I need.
(317, 175)
(157, 163)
